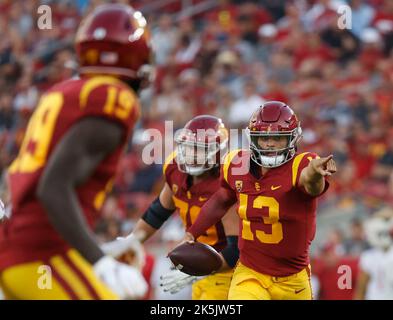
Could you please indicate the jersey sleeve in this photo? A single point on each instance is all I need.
(227, 169)
(169, 167)
(108, 97)
(233, 171)
(300, 162)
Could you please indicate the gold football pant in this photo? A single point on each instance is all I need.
(62, 277)
(213, 287)
(248, 284)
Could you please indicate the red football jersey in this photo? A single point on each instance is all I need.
(189, 198)
(28, 234)
(278, 218)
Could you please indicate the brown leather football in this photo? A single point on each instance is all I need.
(196, 259)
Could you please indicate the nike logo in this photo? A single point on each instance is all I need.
(298, 291)
(275, 187)
(202, 199)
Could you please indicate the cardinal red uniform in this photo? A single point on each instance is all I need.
(278, 218)
(277, 212)
(28, 235)
(113, 50)
(189, 199)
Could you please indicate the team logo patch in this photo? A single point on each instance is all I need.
(239, 185)
(175, 188)
(257, 186)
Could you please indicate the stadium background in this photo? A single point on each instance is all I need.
(225, 58)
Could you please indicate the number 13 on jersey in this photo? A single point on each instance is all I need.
(272, 219)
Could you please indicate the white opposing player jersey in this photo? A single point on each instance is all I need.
(378, 265)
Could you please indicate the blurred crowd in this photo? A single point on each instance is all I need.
(336, 72)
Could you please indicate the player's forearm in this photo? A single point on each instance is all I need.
(312, 181)
(153, 218)
(65, 214)
(212, 212)
(143, 231)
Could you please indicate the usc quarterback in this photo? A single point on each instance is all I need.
(66, 164)
(276, 191)
(191, 177)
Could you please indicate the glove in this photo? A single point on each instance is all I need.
(122, 245)
(126, 281)
(175, 280)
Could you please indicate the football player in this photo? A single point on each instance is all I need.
(276, 190)
(375, 279)
(191, 178)
(66, 165)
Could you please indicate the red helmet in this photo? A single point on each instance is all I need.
(201, 143)
(274, 119)
(113, 39)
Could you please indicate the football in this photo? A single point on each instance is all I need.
(196, 259)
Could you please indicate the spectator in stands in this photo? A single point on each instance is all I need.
(164, 39)
(335, 281)
(7, 113)
(384, 166)
(362, 16)
(356, 243)
(242, 109)
(342, 41)
(169, 104)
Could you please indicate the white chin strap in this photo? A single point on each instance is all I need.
(271, 162)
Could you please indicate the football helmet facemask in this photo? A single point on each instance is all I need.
(274, 119)
(201, 144)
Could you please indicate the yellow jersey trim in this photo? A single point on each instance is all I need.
(295, 166)
(227, 162)
(168, 161)
(94, 83)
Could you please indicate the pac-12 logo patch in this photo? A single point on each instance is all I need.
(239, 185)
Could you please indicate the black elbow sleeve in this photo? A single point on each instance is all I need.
(156, 214)
(231, 251)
